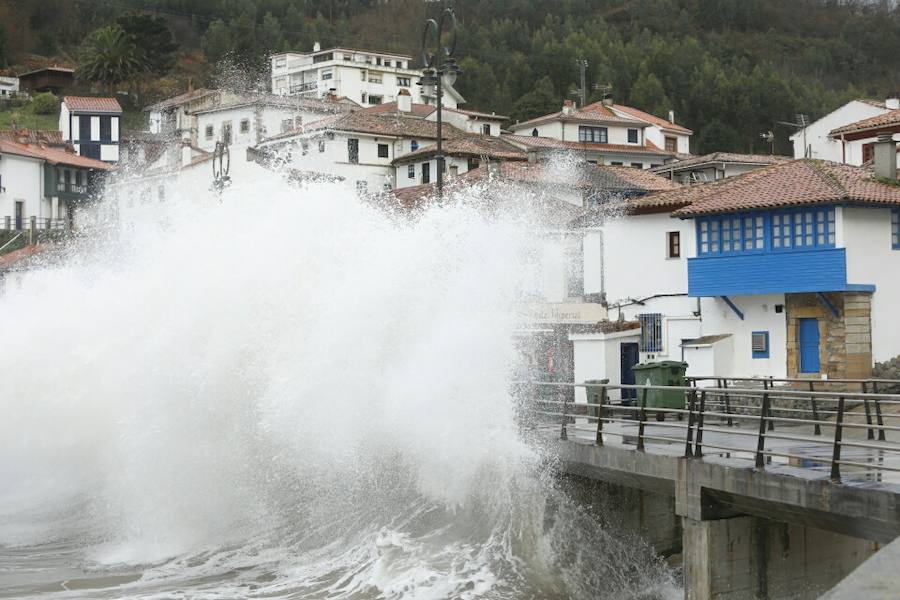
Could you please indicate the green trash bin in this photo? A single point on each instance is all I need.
(666, 372)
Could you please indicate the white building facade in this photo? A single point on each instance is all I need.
(92, 126)
(814, 140)
(366, 77)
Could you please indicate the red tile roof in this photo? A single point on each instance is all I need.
(888, 119)
(92, 104)
(546, 143)
(181, 99)
(468, 145)
(417, 110)
(596, 113)
(645, 116)
(722, 157)
(387, 124)
(54, 156)
(796, 183)
(33, 136)
(480, 115)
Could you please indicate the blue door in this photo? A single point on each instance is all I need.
(629, 357)
(809, 345)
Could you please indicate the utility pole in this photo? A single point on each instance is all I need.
(582, 66)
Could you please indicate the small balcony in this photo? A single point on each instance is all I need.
(819, 270)
(304, 88)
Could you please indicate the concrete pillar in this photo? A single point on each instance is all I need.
(54, 207)
(750, 557)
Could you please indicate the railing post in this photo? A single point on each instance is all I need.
(563, 434)
(49, 224)
(600, 410)
(729, 421)
(698, 445)
(817, 429)
(766, 386)
(761, 439)
(870, 432)
(836, 450)
(641, 419)
(878, 416)
(7, 223)
(689, 436)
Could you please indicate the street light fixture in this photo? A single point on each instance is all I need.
(441, 69)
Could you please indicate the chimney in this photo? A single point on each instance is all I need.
(886, 157)
(317, 46)
(404, 101)
(568, 107)
(607, 99)
(532, 156)
(892, 103)
(671, 116)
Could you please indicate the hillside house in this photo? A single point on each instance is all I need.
(815, 141)
(363, 76)
(92, 126)
(714, 166)
(42, 186)
(858, 139)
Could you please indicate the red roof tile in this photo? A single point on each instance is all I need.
(722, 157)
(645, 116)
(387, 124)
(416, 110)
(33, 136)
(469, 145)
(595, 113)
(54, 156)
(538, 142)
(888, 119)
(796, 183)
(92, 104)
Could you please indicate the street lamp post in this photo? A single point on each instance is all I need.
(440, 67)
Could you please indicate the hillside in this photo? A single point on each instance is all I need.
(730, 69)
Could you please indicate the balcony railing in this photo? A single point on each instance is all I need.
(300, 88)
(13, 223)
(71, 188)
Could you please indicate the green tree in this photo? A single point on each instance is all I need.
(542, 99)
(153, 39)
(44, 104)
(648, 94)
(217, 42)
(109, 57)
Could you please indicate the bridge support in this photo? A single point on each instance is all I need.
(752, 557)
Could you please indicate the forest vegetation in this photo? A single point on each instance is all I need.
(730, 69)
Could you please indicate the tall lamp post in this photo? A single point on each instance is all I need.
(441, 69)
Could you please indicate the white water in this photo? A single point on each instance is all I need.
(287, 393)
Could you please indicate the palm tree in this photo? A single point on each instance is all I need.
(109, 57)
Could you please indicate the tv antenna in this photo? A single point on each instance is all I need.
(800, 123)
(770, 138)
(582, 91)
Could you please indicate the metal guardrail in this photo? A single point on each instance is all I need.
(10, 223)
(729, 411)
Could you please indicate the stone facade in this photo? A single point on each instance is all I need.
(845, 346)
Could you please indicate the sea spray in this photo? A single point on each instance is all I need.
(287, 392)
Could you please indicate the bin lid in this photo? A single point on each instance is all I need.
(660, 365)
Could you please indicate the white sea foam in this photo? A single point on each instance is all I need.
(285, 392)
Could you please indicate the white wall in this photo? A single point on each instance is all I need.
(656, 135)
(759, 315)
(817, 133)
(64, 121)
(23, 179)
(598, 356)
(872, 261)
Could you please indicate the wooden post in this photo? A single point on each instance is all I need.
(836, 450)
(761, 439)
(878, 416)
(698, 445)
(600, 414)
(641, 418)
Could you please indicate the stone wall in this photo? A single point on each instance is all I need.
(845, 341)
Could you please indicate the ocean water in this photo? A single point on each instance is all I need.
(287, 393)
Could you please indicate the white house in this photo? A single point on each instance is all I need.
(42, 186)
(610, 133)
(461, 154)
(246, 121)
(814, 140)
(857, 140)
(717, 165)
(92, 126)
(173, 115)
(364, 76)
(9, 86)
(359, 147)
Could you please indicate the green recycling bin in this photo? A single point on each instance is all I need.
(666, 372)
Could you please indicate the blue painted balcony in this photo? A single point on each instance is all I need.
(821, 270)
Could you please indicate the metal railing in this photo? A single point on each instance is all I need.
(11, 223)
(299, 88)
(736, 422)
